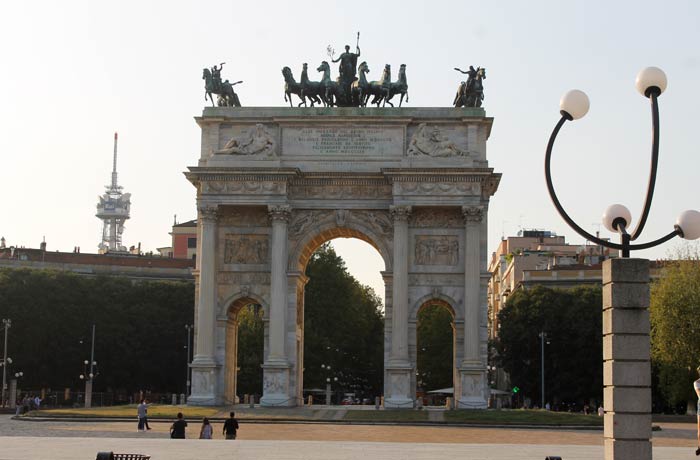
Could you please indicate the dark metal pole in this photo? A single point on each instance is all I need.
(542, 336)
(187, 364)
(7, 323)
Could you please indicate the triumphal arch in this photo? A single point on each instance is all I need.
(273, 184)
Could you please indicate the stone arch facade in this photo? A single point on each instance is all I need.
(413, 183)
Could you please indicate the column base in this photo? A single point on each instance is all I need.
(204, 385)
(398, 385)
(276, 384)
(473, 392)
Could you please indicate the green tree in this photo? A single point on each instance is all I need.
(250, 349)
(573, 359)
(343, 327)
(675, 331)
(139, 342)
(435, 347)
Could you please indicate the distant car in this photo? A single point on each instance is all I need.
(347, 402)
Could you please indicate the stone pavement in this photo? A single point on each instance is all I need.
(20, 440)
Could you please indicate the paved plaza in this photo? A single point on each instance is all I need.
(20, 440)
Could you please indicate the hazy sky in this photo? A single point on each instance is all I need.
(72, 73)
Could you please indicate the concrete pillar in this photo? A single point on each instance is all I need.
(276, 369)
(203, 391)
(472, 384)
(13, 394)
(88, 393)
(399, 369)
(626, 360)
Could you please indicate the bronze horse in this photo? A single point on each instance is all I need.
(361, 85)
(332, 92)
(379, 89)
(399, 86)
(227, 97)
(311, 89)
(471, 92)
(292, 87)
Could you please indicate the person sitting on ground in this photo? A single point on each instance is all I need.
(206, 431)
(231, 426)
(177, 430)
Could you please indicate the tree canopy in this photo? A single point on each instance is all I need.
(675, 330)
(571, 319)
(140, 336)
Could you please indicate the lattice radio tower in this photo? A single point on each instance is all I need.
(113, 209)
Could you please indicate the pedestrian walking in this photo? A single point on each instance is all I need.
(177, 430)
(206, 431)
(231, 426)
(142, 411)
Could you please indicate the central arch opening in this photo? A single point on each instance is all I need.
(341, 344)
(436, 342)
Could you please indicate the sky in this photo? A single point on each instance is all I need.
(74, 72)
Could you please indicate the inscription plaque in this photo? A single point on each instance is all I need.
(343, 140)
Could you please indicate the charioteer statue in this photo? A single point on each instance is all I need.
(347, 70)
(223, 89)
(471, 92)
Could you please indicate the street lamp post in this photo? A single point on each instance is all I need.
(188, 383)
(90, 376)
(626, 360)
(6, 324)
(543, 336)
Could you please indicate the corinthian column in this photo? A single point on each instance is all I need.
(279, 214)
(206, 296)
(472, 282)
(399, 316)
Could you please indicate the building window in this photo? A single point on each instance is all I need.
(191, 242)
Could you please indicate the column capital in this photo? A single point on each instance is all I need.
(472, 214)
(279, 212)
(208, 213)
(400, 213)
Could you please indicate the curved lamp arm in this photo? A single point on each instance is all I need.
(653, 96)
(625, 247)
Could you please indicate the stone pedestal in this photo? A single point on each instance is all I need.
(204, 389)
(626, 354)
(13, 394)
(88, 393)
(276, 386)
(399, 386)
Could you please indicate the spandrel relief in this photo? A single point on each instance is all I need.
(257, 141)
(431, 141)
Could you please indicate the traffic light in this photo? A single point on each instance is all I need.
(516, 389)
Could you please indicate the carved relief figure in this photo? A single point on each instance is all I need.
(257, 141)
(246, 249)
(471, 386)
(301, 221)
(430, 141)
(272, 383)
(437, 250)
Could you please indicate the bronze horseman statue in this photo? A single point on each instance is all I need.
(223, 89)
(471, 92)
